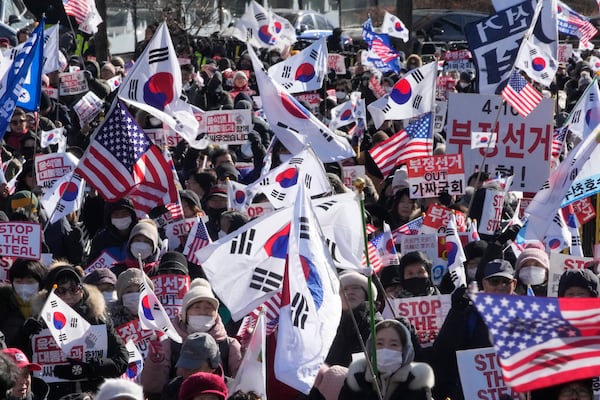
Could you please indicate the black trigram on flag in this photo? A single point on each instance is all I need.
(417, 101)
(327, 205)
(265, 280)
(242, 244)
(533, 52)
(74, 322)
(304, 228)
(417, 76)
(260, 16)
(454, 276)
(314, 54)
(60, 207)
(131, 354)
(332, 249)
(326, 135)
(307, 180)
(265, 182)
(286, 72)
(158, 55)
(284, 126)
(133, 87)
(299, 310)
(296, 161)
(386, 108)
(53, 303)
(276, 194)
(544, 75)
(62, 337)
(287, 85)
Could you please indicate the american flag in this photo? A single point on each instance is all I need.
(572, 23)
(374, 259)
(78, 9)
(381, 50)
(543, 341)
(558, 139)
(121, 160)
(271, 308)
(197, 239)
(411, 228)
(521, 95)
(413, 141)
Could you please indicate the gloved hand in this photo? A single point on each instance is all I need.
(32, 326)
(460, 299)
(88, 75)
(74, 370)
(253, 137)
(509, 234)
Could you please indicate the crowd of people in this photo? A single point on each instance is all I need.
(210, 356)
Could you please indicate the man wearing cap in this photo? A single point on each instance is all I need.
(464, 328)
(26, 386)
(216, 204)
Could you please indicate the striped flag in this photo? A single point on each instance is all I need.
(78, 9)
(271, 314)
(374, 259)
(197, 239)
(572, 23)
(410, 228)
(122, 160)
(542, 341)
(413, 141)
(558, 140)
(521, 95)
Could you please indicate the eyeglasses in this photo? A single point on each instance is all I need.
(61, 291)
(498, 280)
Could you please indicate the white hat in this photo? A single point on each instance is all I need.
(199, 290)
(121, 388)
(349, 278)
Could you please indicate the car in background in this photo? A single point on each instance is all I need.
(309, 25)
(443, 25)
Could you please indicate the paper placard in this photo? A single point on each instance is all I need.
(559, 263)
(169, 290)
(226, 126)
(178, 231)
(104, 260)
(72, 83)
(21, 240)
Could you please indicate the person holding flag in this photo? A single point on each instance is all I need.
(65, 282)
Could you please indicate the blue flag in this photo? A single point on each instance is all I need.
(381, 53)
(29, 99)
(17, 74)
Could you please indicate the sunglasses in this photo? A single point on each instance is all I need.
(60, 291)
(498, 280)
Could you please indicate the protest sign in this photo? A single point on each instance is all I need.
(459, 60)
(523, 146)
(425, 313)
(257, 209)
(336, 62)
(87, 108)
(439, 117)
(584, 210)
(437, 218)
(48, 354)
(492, 211)
(50, 167)
(169, 290)
(559, 263)
(72, 83)
(433, 175)
(565, 51)
(5, 264)
(226, 126)
(177, 232)
(351, 172)
(481, 376)
(21, 240)
(104, 260)
(133, 331)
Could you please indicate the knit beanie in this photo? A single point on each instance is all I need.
(583, 278)
(131, 276)
(203, 383)
(534, 252)
(148, 229)
(330, 381)
(119, 388)
(199, 290)
(173, 261)
(24, 199)
(349, 278)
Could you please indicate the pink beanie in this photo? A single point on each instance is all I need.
(330, 381)
(535, 252)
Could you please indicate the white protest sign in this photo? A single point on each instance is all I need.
(5, 264)
(257, 209)
(21, 240)
(336, 62)
(48, 354)
(427, 243)
(72, 83)
(492, 211)
(433, 175)
(441, 107)
(351, 172)
(51, 92)
(50, 167)
(524, 145)
(481, 376)
(425, 313)
(177, 232)
(104, 260)
(87, 108)
(565, 51)
(170, 289)
(559, 263)
(459, 60)
(226, 126)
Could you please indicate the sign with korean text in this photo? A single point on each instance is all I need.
(72, 83)
(226, 126)
(445, 84)
(523, 146)
(177, 232)
(87, 108)
(459, 60)
(336, 63)
(170, 289)
(439, 117)
(584, 210)
(50, 167)
(311, 98)
(21, 240)
(559, 263)
(48, 354)
(433, 175)
(426, 314)
(104, 260)
(133, 331)
(565, 51)
(351, 172)
(437, 217)
(481, 375)
(50, 92)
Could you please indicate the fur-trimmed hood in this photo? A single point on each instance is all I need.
(421, 376)
(92, 307)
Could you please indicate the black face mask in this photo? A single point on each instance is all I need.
(215, 213)
(540, 290)
(416, 285)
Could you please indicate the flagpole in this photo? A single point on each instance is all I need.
(359, 185)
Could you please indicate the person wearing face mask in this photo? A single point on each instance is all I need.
(105, 280)
(342, 90)
(199, 313)
(119, 219)
(399, 376)
(465, 83)
(532, 268)
(474, 252)
(410, 278)
(26, 279)
(144, 242)
(216, 204)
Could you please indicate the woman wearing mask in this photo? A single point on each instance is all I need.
(26, 279)
(342, 90)
(532, 268)
(410, 278)
(143, 242)
(119, 219)
(399, 377)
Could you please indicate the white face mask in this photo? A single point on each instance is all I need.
(25, 291)
(131, 302)
(532, 275)
(388, 361)
(121, 223)
(200, 323)
(340, 95)
(109, 296)
(145, 250)
(221, 234)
